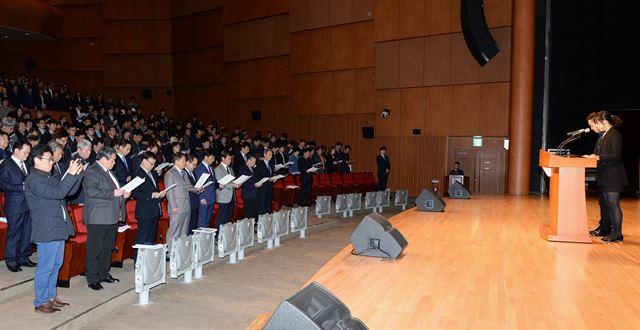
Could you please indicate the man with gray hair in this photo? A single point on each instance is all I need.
(59, 167)
(83, 154)
(8, 126)
(103, 209)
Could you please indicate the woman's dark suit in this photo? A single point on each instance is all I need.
(611, 179)
(610, 174)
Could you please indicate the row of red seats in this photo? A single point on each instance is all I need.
(324, 185)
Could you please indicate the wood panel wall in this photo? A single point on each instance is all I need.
(317, 69)
(75, 57)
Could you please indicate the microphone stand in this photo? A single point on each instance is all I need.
(569, 140)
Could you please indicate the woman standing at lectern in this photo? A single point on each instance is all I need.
(610, 175)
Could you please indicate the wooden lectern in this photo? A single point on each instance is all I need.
(568, 206)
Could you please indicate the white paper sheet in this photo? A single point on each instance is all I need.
(162, 166)
(226, 179)
(207, 184)
(170, 187)
(133, 184)
(280, 166)
(203, 178)
(313, 169)
(277, 177)
(241, 179)
(123, 228)
(263, 180)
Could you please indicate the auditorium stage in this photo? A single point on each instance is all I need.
(482, 264)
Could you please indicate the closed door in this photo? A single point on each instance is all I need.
(485, 165)
(488, 178)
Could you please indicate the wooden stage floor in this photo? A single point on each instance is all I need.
(482, 265)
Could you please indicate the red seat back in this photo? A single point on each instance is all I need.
(325, 179)
(347, 178)
(130, 205)
(336, 178)
(76, 214)
(358, 177)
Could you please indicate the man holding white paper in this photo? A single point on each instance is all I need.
(178, 198)
(148, 198)
(265, 189)
(103, 209)
(208, 195)
(225, 194)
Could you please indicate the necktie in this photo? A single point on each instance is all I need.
(58, 168)
(23, 168)
(152, 179)
(228, 172)
(124, 160)
(268, 167)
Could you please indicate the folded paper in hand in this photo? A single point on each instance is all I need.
(163, 166)
(263, 180)
(312, 169)
(226, 179)
(280, 166)
(241, 179)
(170, 187)
(133, 184)
(123, 228)
(277, 177)
(203, 178)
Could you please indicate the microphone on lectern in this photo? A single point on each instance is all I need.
(580, 131)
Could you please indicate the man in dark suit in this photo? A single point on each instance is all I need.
(103, 209)
(384, 167)
(265, 190)
(194, 199)
(304, 163)
(208, 196)
(13, 173)
(456, 169)
(249, 189)
(51, 224)
(148, 198)
(123, 167)
(240, 158)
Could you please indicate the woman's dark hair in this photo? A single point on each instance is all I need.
(603, 115)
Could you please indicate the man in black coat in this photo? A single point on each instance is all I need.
(384, 167)
(51, 224)
(148, 198)
(123, 167)
(265, 190)
(304, 163)
(13, 172)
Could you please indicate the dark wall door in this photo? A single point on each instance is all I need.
(484, 164)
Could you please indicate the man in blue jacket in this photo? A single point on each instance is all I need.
(51, 224)
(208, 196)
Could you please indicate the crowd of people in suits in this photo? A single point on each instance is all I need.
(90, 156)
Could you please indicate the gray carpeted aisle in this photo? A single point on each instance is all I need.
(231, 296)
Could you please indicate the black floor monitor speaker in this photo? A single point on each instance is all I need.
(376, 237)
(458, 191)
(313, 307)
(476, 32)
(428, 201)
